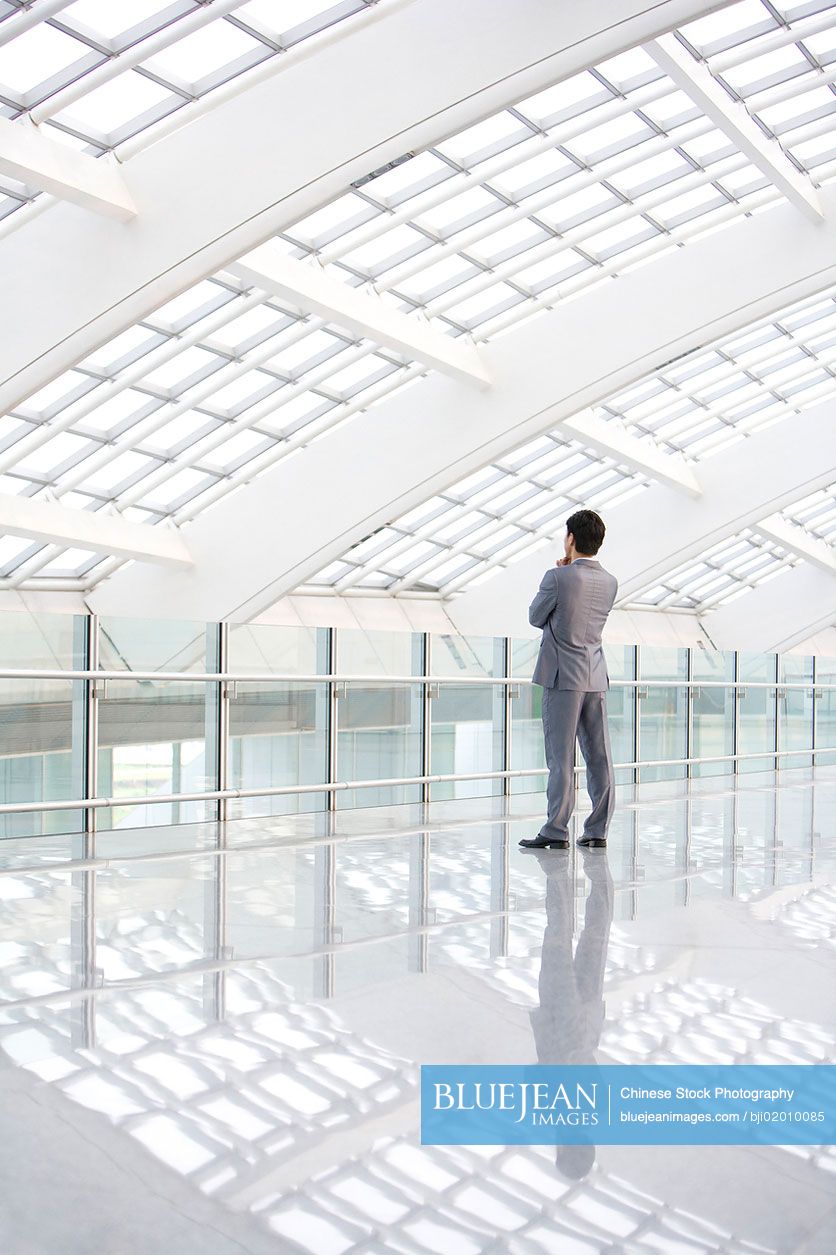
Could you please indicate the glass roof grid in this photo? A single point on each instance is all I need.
(85, 76)
(735, 565)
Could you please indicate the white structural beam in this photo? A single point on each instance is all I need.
(309, 287)
(211, 191)
(796, 540)
(622, 446)
(56, 524)
(732, 118)
(651, 534)
(778, 615)
(42, 163)
(397, 455)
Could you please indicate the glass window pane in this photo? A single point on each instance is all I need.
(756, 712)
(379, 737)
(467, 736)
(527, 748)
(467, 655)
(361, 652)
(826, 709)
(152, 738)
(712, 728)
(663, 731)
(795, 709)
(662, 662)
(258, 647)
(278, 737)
(41, 758)
(153, 644)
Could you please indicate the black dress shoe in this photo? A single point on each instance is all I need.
(592, 843)
(545, 843)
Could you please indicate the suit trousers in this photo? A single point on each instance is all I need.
(567, 715)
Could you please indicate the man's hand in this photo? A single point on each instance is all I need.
(563, 562)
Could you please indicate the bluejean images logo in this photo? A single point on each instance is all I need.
(543, 1103)
(663, 1104)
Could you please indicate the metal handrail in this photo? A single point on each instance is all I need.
(217, 677)
(157, 799)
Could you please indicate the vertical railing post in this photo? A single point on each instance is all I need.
(736, 715)
(689, 712)
(637, 736)
(776, 762)
(507, 748)
(222, 734)
(814, 677)
(91, 732)
(333, 719)
(426, 717)
(83, 916)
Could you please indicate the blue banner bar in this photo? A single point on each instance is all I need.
(647, 1104)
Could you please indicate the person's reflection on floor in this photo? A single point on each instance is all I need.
(568, 1022)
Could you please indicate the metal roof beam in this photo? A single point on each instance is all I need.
(94, 183)
(310, 288)
(733, 119)
(644, 456)
(798, 541)
(56, 524)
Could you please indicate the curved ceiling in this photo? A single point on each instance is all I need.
(568, 175)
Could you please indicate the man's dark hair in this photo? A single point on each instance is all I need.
(588, 529)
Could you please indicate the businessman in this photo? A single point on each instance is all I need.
(572, 604)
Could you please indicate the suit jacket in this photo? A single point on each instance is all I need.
(571, 606)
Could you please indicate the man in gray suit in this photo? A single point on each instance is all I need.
(572, 604)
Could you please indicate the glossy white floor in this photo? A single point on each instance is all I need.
(210, 1039)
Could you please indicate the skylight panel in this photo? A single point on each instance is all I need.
(56, 395)
(112, 19)
(190, 307)
(611, 137)
(434, 279)
(688, 205)
(251, 329)
(410, 178)
(334, 220)
(651, 173)
(728, 27)
(628, 67)
(759, 72)
(568, 99)
(205, 52)
(471, 205)
(478, 142)
(109, 108)
(176, 491)
(70, 563)
(47, 461)
(385, 250)
(510, 241)
(306, 351)
(40, 54)
(185, 369)
(118, 410)
(125, 469)
(242, 392)
(179, 432)
(129, 346)
(237, 450)
(534, 174)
